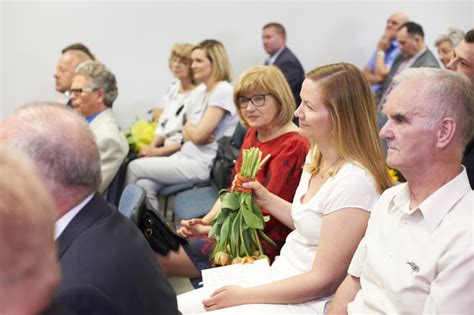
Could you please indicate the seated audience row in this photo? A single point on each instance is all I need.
(342, 178)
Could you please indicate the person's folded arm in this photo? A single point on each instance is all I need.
(200, 133)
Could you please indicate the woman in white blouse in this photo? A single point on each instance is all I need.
(168, 135)
(343, 176)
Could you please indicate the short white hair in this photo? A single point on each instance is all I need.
(448, 93)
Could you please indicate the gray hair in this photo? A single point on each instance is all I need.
(101, 77)
(59, 142)
(453, 35)
(449, 94)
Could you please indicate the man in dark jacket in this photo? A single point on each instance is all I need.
(107, 265)
(274, 42)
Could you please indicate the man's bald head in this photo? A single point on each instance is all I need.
(67, 64)
(394, 22)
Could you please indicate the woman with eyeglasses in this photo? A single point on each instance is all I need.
(168, 135)
(342, 178)
(265, 105)
(209, 116)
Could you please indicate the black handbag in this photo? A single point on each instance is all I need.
(159, 232)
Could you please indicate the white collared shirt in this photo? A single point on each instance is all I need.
(418, 261)
(64, 221)
(271, 60)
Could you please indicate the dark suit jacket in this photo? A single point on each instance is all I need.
(293, 71)
(468, 161)
(108, 266)
(426, 59)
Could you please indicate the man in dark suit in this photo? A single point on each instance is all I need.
(274, 42)
(107, 265)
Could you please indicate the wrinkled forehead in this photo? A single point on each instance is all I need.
(465, 51)
(407, 97)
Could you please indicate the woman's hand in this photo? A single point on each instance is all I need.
(260, 194)
(193, 227)
(227, 296)
(149, 151)
(143, 152)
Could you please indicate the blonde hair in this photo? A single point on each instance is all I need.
(271, 80)
(347, 95)
(216, 53)
(183, 52)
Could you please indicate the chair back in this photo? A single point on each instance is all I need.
(132, 202)
(227, 151)
(115, 188)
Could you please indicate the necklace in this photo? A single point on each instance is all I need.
(324, 172)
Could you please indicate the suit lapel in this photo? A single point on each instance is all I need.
(281, 55)
(93, 211)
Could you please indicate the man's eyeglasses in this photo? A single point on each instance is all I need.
(257, 100)
(77, 92)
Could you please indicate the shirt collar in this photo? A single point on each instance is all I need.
(64, 221)
(438, 204)
(444, 199)
(271, 60)
(91, 118)
(412, 60)
(393, 45)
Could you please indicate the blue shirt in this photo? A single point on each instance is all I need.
(91, 118)
(390, 54)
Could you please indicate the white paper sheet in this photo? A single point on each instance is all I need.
(244, 275)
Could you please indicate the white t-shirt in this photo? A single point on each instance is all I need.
(220, 96)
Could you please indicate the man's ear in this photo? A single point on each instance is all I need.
(101, 95)
(446, 129)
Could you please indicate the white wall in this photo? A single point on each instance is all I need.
(134, 39)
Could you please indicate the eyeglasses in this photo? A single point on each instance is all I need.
(77, 92)
(257, 100)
